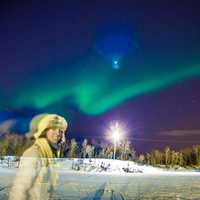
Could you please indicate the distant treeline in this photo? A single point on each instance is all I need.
(13, 144)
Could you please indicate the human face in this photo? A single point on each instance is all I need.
(54, 135)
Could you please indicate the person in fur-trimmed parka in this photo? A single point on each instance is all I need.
(36, 177)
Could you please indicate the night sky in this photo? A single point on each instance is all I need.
(97, 61)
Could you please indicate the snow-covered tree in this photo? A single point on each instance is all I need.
(83, 149)
(167, 155)
(73, 151)
(141, 159)
(89, 151)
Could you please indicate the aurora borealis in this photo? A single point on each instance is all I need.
(108, 91)
(59, 57)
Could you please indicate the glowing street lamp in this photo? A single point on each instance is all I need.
(116, 132)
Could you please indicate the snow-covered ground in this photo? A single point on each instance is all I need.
(118, 167)
(104, 179)
(104, 166)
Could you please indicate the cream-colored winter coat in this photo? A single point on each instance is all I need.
(36, 177)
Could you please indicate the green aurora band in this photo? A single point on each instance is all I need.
(96, 90)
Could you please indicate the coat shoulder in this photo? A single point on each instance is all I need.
(32, 151)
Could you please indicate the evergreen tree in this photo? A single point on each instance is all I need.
(83, 149)
(73, 151)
